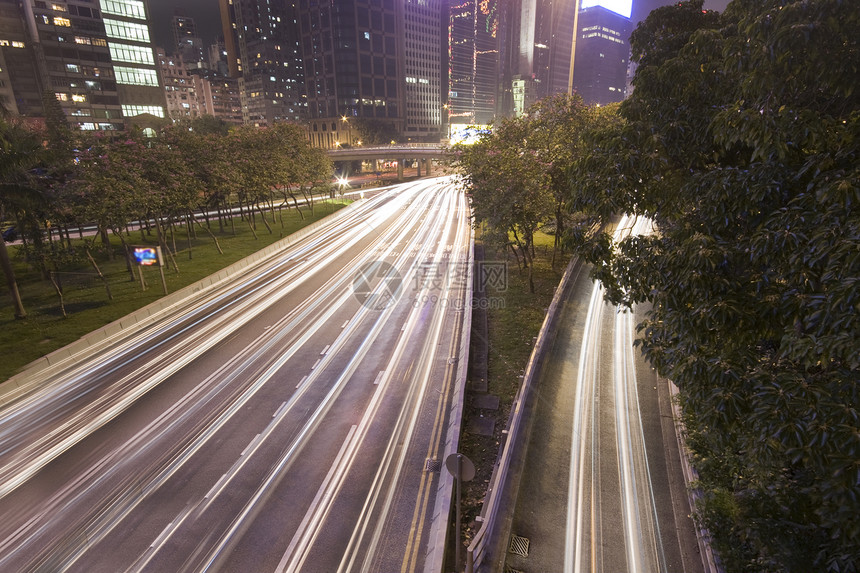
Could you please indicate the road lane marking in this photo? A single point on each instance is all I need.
(303, 529)
(324, 350)
(379, 377)
(302, 381)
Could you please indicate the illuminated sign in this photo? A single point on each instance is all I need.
(147, 256)
(466, 134)
(621, 7)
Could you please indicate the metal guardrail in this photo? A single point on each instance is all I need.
(439, 529)
(492, 512)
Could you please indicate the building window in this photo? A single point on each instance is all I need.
(132, 54)
(126, 30)
(62, 22)
(136, 76)
(133, 110)
(130, 8)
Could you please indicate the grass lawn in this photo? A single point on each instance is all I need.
(511, 330)
(85, 297)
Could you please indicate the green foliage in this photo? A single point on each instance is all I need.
(374, 131)
(59, 180)
(517, 174)
(741, 142)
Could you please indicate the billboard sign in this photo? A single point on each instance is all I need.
(147, 256)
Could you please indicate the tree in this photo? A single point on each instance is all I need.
(509, 185)
(741, 142)
(20, 151)
(372, 131)
(556, 128)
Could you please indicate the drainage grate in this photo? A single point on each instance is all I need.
(432, 465)
(512, 570)
(519, 545)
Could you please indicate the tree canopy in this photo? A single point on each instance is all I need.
(740, 141)
(58, 179)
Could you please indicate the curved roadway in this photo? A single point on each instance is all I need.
(281, 421)
(602, 489)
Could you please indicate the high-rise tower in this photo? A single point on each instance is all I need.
(262, 43)
(602, 50)
(378, 60)
(473, 62)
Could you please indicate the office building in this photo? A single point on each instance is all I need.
(602, 55)
(262, 43)
(473, 62)
(373, 60)
(95, 58)
(538, 42)
(20, 88)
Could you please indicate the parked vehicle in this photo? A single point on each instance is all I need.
(10, 234)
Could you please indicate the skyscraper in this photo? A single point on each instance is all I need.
(378, 60)
(473, 62)
(602, 54)
(536, 52)
(20, 89)
(262, 43)
(188, 44)
(538, 44)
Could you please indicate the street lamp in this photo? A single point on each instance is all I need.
(345, 120)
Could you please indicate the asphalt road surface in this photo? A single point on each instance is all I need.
(602, 489)
(281, 421)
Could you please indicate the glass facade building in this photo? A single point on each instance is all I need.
(262, 42)
(602, 55)
(378, 60)
(473, 62)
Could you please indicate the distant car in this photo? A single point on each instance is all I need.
(10, 235)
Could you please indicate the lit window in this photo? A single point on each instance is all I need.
(136, 76)
(133, 110)
(61, 96)
(79, 98)
(88, 127)
(82, 40)
(124, 8)
(58, 7)
(133, 54)
(62, 22)
(126, 30)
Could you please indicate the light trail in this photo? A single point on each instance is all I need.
(590, 488)
(113, 490)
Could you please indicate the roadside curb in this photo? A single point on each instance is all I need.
(487, 550)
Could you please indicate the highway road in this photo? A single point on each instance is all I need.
(602, 489)
(281, 421)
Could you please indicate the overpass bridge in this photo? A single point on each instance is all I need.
(424, 153)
